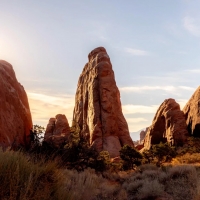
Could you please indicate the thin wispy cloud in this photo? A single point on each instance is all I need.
(136, 124)
(44, 107)
(136, 120)
(192, 25)
(196, 71)
(182, 102)
(146, 88)
(154, 88)
(133, 109)
(136, 52)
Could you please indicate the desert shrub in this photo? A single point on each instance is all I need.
(187, 159)
(159, 153)
(176, 182)
(191, 146)
(79, 186)
(148, 156)
(88, 185)
(78, 154)
(145, 167)
(102, 162)
(182, 182)
(163, 152)
(21, 178)
(150, 190)
(110, 190)
(143, 185)
(130, 156)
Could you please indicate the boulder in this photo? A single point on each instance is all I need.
(192, 114)
(168, 125)
(15, 116)
(98, 110)
(57, 131)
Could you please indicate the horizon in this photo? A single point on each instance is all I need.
(153, 48)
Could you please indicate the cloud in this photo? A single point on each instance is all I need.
(192, 25)
(136, 124)
(196, 71)
(136, 120)
(136, 52)
(146, 88)
(132, 109)
(182, 102)
(44, 106)
(186, 88)
(153, 88)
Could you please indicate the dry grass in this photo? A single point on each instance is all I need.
(187, 159)
(22, 179)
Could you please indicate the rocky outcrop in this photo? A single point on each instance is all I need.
(98, 109)
(15, 116)
(142, 135)
(57, 131)
(192, 114)
(168, 125)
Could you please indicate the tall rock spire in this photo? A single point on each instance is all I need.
(98, 109)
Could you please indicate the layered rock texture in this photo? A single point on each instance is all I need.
(97, 105)
(57, 131)
(168, 125)
(15, 116)
(192, 114)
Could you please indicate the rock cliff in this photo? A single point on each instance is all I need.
(168, 125)
(97, 105)
(142, 135)
(192, 114)
(15, 116)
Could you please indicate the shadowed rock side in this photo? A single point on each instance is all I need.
(142, 135)
(168, 125)
(140, 144)
(15, 116)
(57, 131)
(192, 114)
(97, 105)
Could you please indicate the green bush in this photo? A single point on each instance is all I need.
(130, 156)
(159, 153)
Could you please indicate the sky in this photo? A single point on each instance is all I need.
(153, 46)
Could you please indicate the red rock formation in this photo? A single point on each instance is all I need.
(168, 125)
(192, 114)
(139, 147)
(142, 135)
(97, 105)
(15, 116)
(57, 131)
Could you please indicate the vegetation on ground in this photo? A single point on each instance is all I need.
(77, 171)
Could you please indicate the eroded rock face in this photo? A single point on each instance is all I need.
(168, 125)
(15, 116)
(192, 114)
(57, 131)
(142, 135)
(97, 105)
